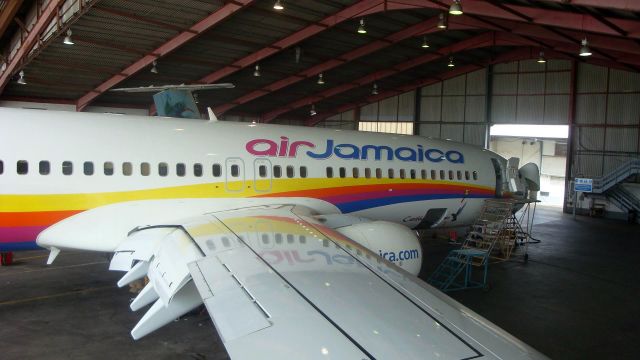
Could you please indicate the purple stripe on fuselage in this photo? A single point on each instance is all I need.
(17, 234)
(340, 199)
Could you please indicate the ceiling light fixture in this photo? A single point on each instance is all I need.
(320, 79)
(154, 67)
(313, 112)
(67, 39)
(256, 71)
(442, 21)
(374, 89)
(455, 8)
(278, 5)
(451, 64)
(541, 59)
(424, 42)
(21, 79)
(584, 49)
(361, 28)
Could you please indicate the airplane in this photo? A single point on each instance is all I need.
(298, 241)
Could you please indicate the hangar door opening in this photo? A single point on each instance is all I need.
(543, 145)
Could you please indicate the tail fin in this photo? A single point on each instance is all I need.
(176, 103)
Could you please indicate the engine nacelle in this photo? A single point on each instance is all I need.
(394, 242)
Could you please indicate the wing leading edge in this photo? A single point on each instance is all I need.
(279, 284)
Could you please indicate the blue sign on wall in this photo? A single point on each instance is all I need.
(582, 184)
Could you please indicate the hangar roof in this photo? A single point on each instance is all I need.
(198, 41)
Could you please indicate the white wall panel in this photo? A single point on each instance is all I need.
(590, 108)
(429, 130)
(591, 78)
(531, 83)
(406, 106)
(474, 134)
(623, 81)
(475, 109)
(504, 84)
(556, 109)
(530, 110)
(452, 132)
(430, 109)
(557, 82)
(621, 140)
(369, 112)
(503, 109)
(623, 109)
(453, 108)
(590, 139)
(477, 82)
(455, 86)
(388, 109)
(434, 89)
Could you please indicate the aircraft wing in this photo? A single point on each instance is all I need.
(278, 284)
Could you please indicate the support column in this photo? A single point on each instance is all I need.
(570, 142)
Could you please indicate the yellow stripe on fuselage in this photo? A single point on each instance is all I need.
(83, 201)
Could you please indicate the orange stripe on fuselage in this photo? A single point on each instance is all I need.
(36, 218)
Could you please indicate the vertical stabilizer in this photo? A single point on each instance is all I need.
(176, 103)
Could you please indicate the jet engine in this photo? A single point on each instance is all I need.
(394, 242)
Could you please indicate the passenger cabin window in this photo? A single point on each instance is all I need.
(450, 174)
(367, 173)
(44, 167)
(22, 167)
(303, 171)
(216, 169)
(378, 173)
(459, 174)
(329, 172)
(402, 174)
(197, 170)
(441, 174)
(67, 168)
(277, 171)
(181, 169)
(466, 174)
(1, 167)
(262, 171)
(163, 169)
(145, 169)
(290, 171)
(423, 174)
(88, 168)
(356, 173)
(108, 168)
(433, 174)
(127, 169)
(412, 173)
(343, 172)
(390, 173)
(235, 170)
(475, 175)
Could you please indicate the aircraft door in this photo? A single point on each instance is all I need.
(234, 175)
(262, 175)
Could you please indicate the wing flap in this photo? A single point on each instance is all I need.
(236, 311)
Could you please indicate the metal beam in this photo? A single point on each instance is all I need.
(557, 18)
(482, 40)
(424, 27)
(355, 10)
(626, 5)
(205, 24)
(41, 24)
(8, 13)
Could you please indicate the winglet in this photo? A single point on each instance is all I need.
(212, 116)
(53, 255)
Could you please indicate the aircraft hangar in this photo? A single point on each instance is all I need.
(559, 78)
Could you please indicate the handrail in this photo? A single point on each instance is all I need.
(604, 183)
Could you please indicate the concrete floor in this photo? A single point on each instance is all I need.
(576, 298)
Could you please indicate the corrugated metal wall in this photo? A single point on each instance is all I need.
(607, 124)
(527, 92)
(455, 109)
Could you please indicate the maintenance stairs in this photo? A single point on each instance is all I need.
(612, 186)
(493, 234)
